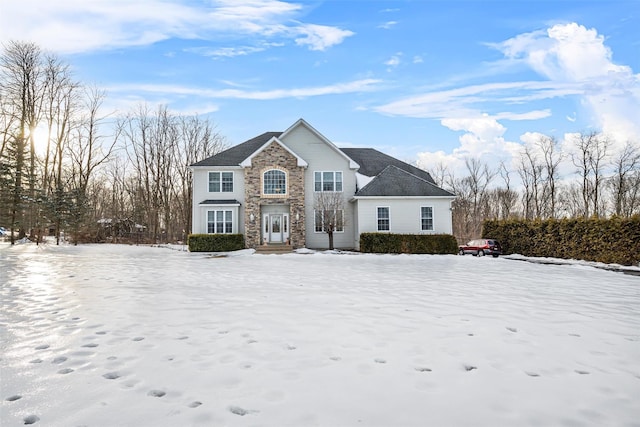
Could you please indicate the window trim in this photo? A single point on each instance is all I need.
(315, 223)
(215, 221)
(422, 218)
(220, 182)
(334, 181)
(286, 182)
(388, 218)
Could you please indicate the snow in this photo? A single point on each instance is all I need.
(106, 335)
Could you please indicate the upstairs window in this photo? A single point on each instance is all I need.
(274, 181)
(328, 181)
(220, 182)
(426, 218)
(383, 218)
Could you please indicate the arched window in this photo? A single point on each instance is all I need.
(274, 181)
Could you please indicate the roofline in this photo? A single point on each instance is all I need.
(403, 197)
(247, 162)
(216, 166)
(303, 122)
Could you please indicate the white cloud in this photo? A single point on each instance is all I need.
(355, 86)
(418, 59)
(576, 55)
(319, 37)
(394, 61)
(388, 25)
(72, 26)
(574, 63)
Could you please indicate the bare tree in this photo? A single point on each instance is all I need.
(625, 184)
(551, 158)
(590, 161)
(329, 213)
(21, 86)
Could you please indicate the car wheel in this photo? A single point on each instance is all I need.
(495, 255)
(480, 252)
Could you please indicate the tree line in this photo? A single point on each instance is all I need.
(66, 166)
(603, 182)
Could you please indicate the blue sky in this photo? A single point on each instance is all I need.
(425, 81)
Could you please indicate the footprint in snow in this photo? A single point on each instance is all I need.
(13, 398)
(240, 411)
(31, 419)
(581, 372)
(65, 371)
(59, 360)
(336, 358)
(469, 367)
(111, 375)
(194, 404)
(382, 361)
(91, 345)
(42, 347)
(156, 393)
(422, 369)
(137, 339)
(532, 374)
(512, 329)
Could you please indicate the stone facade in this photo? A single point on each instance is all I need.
(274, 157)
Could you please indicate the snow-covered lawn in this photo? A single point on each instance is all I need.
(108, 335)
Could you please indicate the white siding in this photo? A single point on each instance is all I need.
(201, 193)
(323, 157)
(404, 215)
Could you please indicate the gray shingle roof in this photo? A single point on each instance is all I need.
(393, 181)
(220, 202)
(372, 162)
(236, 154)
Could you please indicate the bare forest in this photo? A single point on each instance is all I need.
(72, 170)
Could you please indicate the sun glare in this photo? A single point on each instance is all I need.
(40, 136)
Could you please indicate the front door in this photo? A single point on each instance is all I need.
(275, 231)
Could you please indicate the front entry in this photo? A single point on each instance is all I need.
(275, 231)
(276, 227)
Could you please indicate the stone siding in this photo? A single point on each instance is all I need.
(274, 157)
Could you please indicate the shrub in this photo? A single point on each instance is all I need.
(215, 242)
(615, 240)
(408, 243)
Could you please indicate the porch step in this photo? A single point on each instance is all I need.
(274, 249)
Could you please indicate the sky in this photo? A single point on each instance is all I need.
(123, 335)
(426, 81)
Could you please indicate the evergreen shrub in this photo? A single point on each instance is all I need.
(215, 242)
(611, 241)
(408, 243)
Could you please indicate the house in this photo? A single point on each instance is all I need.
(269, 189)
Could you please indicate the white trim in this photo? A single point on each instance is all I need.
(433, 220)
(246, 163)
(224, 221)
(334, 172)
(302, 122)
(233, 181)
(378, 218)
(208, 205)
(401, 197)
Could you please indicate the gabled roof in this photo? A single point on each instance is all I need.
(395, 182)
(372, 162)
(302, 122)
(236, 154)
(247, 162)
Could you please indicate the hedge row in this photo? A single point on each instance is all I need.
(615, 240)
(215, 242)
(408, 243)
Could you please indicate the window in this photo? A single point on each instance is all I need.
(219, 222)
(274, 181)
(332, 216)
(328, 181)
(383, 219)
(426, 218)
(220, 182)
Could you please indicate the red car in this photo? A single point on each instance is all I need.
(481, 247)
